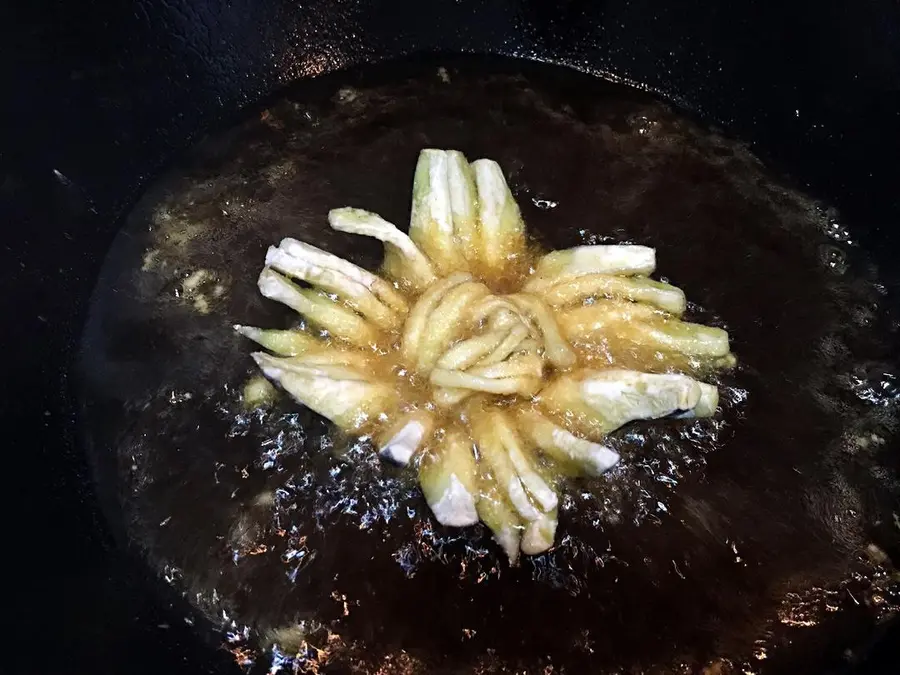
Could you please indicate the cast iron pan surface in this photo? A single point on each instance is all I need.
(120, 92)
(714, 537)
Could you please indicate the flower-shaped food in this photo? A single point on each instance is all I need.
(494, 369)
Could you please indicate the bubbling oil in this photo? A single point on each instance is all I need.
(309, 552)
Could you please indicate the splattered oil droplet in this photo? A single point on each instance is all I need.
(837, 231)
(877, 387)
(834, 258)
(644, 124)
(544, 204)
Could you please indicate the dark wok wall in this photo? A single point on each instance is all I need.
(97, 96)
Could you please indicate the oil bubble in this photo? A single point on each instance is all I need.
(834, 258)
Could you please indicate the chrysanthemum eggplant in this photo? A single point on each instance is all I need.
(496, 371)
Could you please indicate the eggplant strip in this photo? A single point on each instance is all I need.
(446, 323)
(431, 215)
(644, 326)
(502, 243)
(510, 343)
(621, 259)
(464, 205)
(281, 342)
(497, 460)
(636, 289)
(540, 534)
(448, 476)
(500, 312)
(381, 288)
(421, 312)
(557, 350)
(353, 293)
(501, 518)
(598, 402)
(468, 352)
(403, 260)
(537, 487)
(319, 309)
(339, 393)
(506, 386)
(592, 459)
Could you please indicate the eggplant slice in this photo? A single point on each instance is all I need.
(742, 541)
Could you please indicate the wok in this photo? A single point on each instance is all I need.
(103, 97)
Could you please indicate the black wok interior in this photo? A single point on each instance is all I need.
(123, 90)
